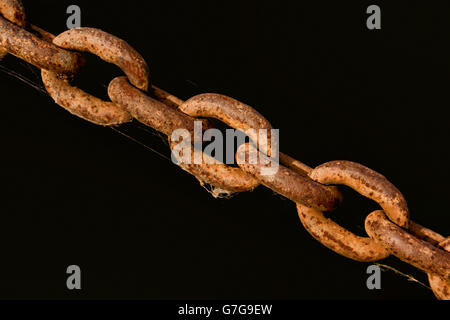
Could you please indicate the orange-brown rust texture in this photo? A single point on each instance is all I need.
(44, 35)
(14, 11)
(407, 247)
(147, 110)
(425, 234)
(368, 183)
(288, 183)
(110, 49)
(338, 239)
(231, 112)
(238, 116)
(82, 104)
(228, 110)
(163, 96)
(441, 287)
(166, 119)
(215, 173)
(36, 51)
(3, 53)
(295, 165)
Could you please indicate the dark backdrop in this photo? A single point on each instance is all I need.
(139, 227)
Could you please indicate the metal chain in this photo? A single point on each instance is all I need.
(391, 232)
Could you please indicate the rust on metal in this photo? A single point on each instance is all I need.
(295, 165)
(13, 11)
(228, 110)
(165, 119)
(110, 49)
(238, 116)
(425, 234)
(147, 110)
(163, 96)
(289, 183)
(36, 51)
(338, 239)
(441, 287)
(3, 53)
(219, 175)
(82, 104)
(44, 35)
(368, 183)
(445, 244)
(310, 188)
(231, 112)
(407, 247)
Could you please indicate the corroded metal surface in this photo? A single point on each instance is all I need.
(406, 247)
(36, 51)
(110, 49)
(368, 183)
(14, 11)
(425, 234)
(44, 35)
(82, 104)
(238, 116)
(309, 188)
(338, 239)
(165, 97)
(288, 183)
(440, 286)
(295, 165)
(217, 174)
(232, 112)
(147, 110)
(157, 115)
(228, 110)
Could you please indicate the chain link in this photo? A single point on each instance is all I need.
(439, 285)
(391, 232)
(13, 11)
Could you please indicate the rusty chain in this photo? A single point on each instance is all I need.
(391, 232)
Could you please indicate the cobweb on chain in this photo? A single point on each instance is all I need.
(36, 84)
(217, 193)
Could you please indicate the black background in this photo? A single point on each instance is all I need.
(141, 228)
